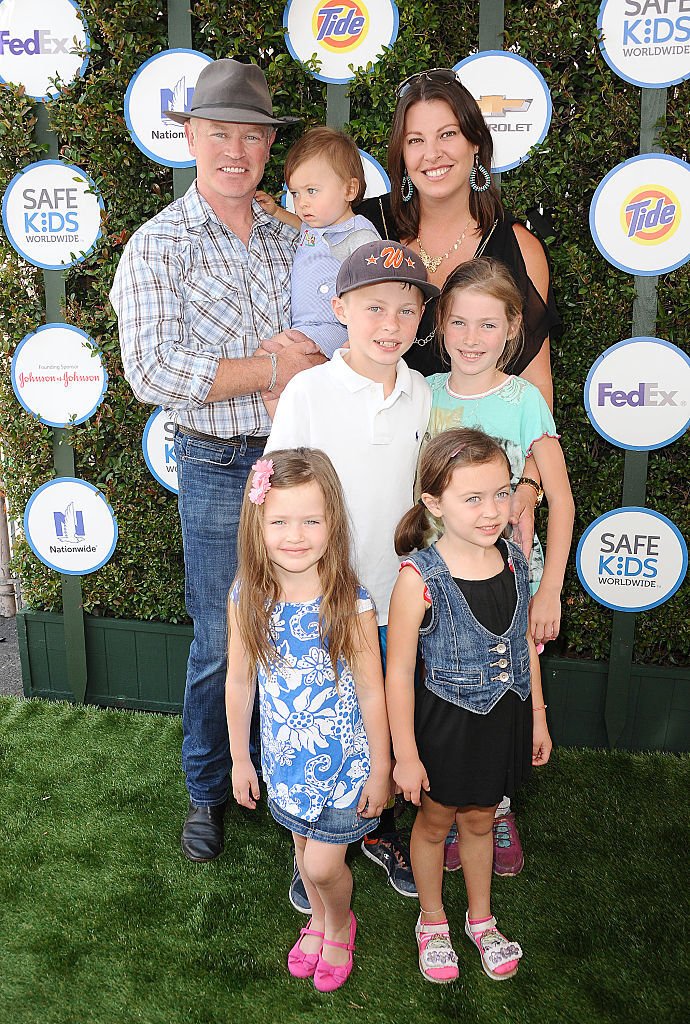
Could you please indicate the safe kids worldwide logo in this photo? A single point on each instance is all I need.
(340, 34)
(637, 393)
(41, 41)
(164, 82)
(646, 42)
(340, 25)
(640, 214)
(158, 447)
(70, 527)
(517, 109)
(631, 559)
(51, 213)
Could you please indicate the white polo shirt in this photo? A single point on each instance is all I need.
(373, 442)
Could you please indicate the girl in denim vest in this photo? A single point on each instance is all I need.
(468, 733)
(301, 625)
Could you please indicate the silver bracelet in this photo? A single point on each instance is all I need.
(274, 371)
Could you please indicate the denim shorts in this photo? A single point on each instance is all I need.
(340, 825)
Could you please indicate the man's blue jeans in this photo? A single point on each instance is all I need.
(211, 477)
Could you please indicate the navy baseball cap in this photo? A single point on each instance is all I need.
(378, 262)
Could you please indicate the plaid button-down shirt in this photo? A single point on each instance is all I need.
(187, 293)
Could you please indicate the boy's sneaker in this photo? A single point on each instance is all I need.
(298, 894)
(393, 854)
(508, 856)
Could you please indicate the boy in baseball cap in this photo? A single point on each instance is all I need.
(368, 411)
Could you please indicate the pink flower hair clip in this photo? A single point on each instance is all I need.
(261, 481)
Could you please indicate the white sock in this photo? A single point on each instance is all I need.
(503, 807)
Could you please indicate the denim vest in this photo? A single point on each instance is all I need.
(465, 663)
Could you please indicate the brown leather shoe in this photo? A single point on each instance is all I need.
(202, 833)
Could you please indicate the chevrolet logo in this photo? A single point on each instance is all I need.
(498, 106)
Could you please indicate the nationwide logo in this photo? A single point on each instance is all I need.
(340, 25)
(651, 214)
(70, 532)
(178, 98)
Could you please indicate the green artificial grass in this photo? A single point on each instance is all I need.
(102, 920)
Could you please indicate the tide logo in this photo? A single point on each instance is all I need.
(340, 25)
(651, 214)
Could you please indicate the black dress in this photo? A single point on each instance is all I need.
(472, 758)
(540, 318)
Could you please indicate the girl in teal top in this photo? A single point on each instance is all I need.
(479, 320)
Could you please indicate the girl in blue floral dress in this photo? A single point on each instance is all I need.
(301, 625)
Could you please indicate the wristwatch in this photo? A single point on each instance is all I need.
(537, 487)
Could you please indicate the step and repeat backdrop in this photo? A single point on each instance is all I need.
(637, 391)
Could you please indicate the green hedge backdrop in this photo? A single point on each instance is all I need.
(595, 125)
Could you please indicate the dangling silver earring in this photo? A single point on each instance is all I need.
(477, 167)
(406, 188)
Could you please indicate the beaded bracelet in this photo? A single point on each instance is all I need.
(539, 707)
(274, 371)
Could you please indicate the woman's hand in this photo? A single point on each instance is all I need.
(412, 778)
(522, 517)
(245, 784)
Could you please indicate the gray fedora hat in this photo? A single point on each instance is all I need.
(227, 90)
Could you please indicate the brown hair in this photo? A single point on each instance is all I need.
(490, 277)
(259, 590)
(485, 207)
(334, 146)
(444, 454)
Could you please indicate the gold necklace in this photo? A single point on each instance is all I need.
(432, 263)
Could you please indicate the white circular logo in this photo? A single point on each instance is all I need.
(646, 42)
(514, 99)
(40, 41)
(70, 526)
(377, 181)
(640, 215)
(51, 213)
(340, 33)
(158, 446)
(637, 394)
(164, 82)
(58, 376)
(631, 559)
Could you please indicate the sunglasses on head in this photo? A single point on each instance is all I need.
(441, 76)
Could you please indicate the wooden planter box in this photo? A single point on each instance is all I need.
(142, 665)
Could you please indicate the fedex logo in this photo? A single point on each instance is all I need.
(40, 42)
(647, 394)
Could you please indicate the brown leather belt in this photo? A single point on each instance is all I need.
(251, 440)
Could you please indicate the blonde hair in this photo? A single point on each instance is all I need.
(444, 454)
(488, 277)
(259, 591)
(334, 146)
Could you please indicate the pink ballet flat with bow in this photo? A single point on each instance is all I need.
(329, 977)
(301, 964)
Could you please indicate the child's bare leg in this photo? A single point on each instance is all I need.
(475, 839)
(324, 870)
(310, 943)
(426, 852)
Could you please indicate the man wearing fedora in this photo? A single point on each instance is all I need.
(197, 290)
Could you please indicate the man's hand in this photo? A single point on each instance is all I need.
(285, 339)
(301, 355)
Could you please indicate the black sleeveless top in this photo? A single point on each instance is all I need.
(539, 318)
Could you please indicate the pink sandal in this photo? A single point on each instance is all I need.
(329, 977)
(438, 961)
(499, 955)
(301, 964)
